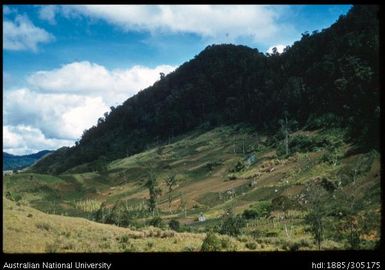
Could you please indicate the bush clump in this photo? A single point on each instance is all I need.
(258, 210)
(120, 214)
(251, 245)
(174, 225)
(327, 120)
(211, 243)
(302, 144)
(156, 222)
(238, 167)
(232, 225)
(13, 197)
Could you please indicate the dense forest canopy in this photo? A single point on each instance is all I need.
(329, 77)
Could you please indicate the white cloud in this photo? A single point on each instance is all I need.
(60, 116)
(48, 13)
(85, 78)
(21, 140)
(216, 22)
(58, 105)
(280, 48)
(22, 34)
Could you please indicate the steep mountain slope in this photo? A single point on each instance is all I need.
(328, 78)
(11, 162)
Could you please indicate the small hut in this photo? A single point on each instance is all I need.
(201, 217)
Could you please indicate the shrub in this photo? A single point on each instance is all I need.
(251, 245)
(302, 143)
(328, 185)
(119, 214)
(258, 210)
(156, 222)
(238, 167)
(166, 234)
(13, 197)
(124, 239)
(150, 244)
(189, 249)
(226, 244)
(257, 233)
(294, 246)
(242, 239)
(283, 203)
(271, 234)
(232, 225)
(174, 224)
(210, 165)
(305, 243)
(264, 233)
(211, 243)
(331, 157)
(44, 226)
(323, 121)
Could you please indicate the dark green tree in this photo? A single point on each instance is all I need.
(317, 213)
(154, 192)
(232, 224)
(170, 182)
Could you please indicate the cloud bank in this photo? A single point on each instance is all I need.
(216, 23)
(59, 104)
(90, 79)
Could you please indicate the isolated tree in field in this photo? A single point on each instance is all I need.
(283, 204)
(285, 129)
(353, 221)
(183, 204)
(315, 218)
(171, 182)
(154, 192)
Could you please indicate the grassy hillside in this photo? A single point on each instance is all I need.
(226, 169)
(27, 230)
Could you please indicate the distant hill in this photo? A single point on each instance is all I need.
(14, 162)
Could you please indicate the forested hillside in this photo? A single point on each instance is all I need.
(326, 79)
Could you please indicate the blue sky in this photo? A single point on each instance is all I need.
(64, 66)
